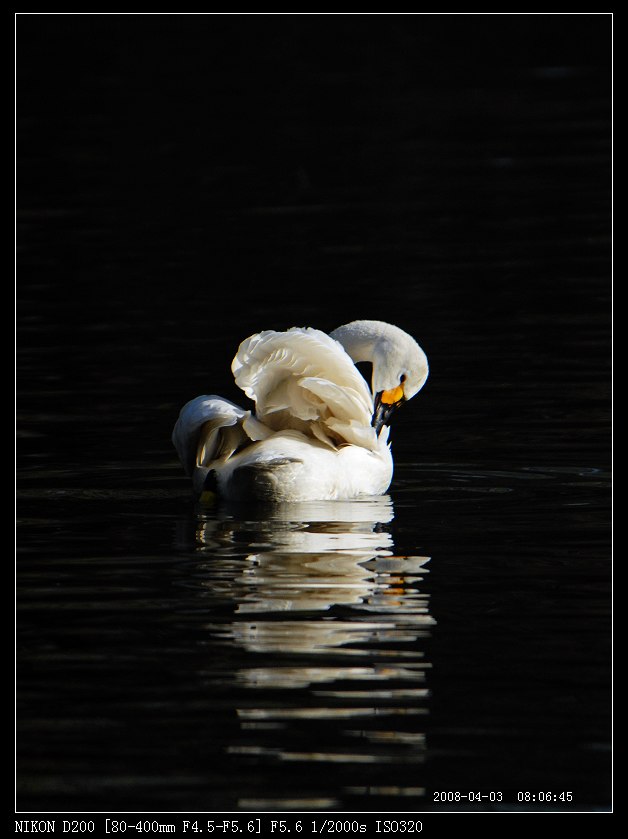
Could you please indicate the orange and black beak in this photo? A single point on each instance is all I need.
(385, 403)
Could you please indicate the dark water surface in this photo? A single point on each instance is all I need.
(186, 181)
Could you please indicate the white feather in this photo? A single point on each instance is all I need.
(311, 436)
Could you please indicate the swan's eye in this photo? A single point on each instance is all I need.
(402, 378)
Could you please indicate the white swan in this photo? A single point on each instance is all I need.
(317, 433)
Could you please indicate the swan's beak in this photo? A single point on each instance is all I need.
(385, 403)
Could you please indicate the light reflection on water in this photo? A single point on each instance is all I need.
(281, 658)
(328, 624)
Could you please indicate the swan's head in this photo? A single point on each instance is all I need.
(400, 366)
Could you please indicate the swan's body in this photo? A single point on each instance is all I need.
(318, 433)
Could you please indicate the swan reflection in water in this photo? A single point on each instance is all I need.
(328, 621)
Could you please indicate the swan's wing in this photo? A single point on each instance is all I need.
(209, 428)
(303, 379)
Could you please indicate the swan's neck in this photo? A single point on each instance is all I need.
(365, 340)
(360, 340)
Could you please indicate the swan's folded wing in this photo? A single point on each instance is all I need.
(345, 415)
(210, 427)
(301, 379)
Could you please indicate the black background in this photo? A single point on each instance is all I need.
(185, 180)
(212, 175)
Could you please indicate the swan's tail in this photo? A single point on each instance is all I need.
(210, 429)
